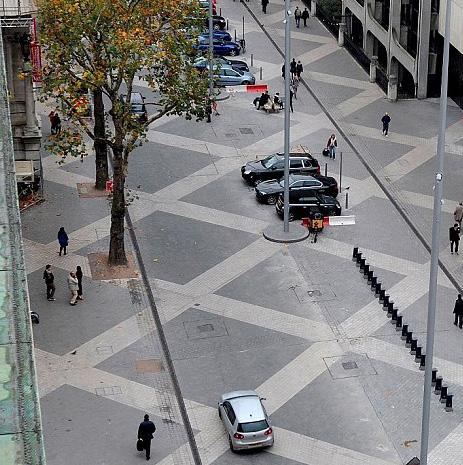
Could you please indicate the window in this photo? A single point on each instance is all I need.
(312, 183)
(230, 72)
(230, 413)
(307, 163)
(297, 185)
(308, 200)
(252, 427)
(295, 163)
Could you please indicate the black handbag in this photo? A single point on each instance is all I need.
(326, 152)
(140, 445)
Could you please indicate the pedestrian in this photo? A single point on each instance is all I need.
(79, 276)
(305, 16)
(297, 16)
(51, 117)
(63, 240)
(331, 146)
(49, 278)
(208, 110)
(458, 213)
(264, 5)
(291, 100)
(73, 286)
(215, 108)
(57, 123)
(299, 70)
(454, 236)
(145, 433)
(295, 85)
(283, 71)
(386, 119)
(458, 312)
(292, 68)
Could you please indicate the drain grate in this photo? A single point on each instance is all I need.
(349, 365)
(246, 131)
(230, 135)
(315, 292)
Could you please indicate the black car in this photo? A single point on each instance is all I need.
(299, 186)
(302, 207)
(218, 22)
(272, 167)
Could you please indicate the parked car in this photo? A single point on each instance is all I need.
(217, 34)
(220, 47)
(219, 22)
(246, 421)
(137, 106)
(227, 76)
(272, 167)
(299, 186)
(204, 5)
(303, 206)
(203, 63)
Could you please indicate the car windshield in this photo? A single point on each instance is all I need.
(270, 161)
(253, 426)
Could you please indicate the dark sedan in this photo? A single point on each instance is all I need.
(272, 167)
(202, 62)
(302, 207)
(218, 22)
(220, 47)
(299, 186)
(217, 35)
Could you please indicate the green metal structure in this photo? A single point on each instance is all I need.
(21, 440)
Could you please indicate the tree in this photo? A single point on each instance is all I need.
(102, 45)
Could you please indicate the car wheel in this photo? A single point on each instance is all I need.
(272, 199)
(216, 27)
(230, 442)
(245, 83)
(233, 53)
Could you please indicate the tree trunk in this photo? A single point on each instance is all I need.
(116, 245)
(101, 149)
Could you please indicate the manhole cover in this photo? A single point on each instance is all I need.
(246, 131)
(315, 292)
(349, 365)
(205, 328)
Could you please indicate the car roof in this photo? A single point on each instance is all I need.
(295, 155)
(246, 405)
(302, 177)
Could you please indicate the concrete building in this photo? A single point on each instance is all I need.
(405, 39)
(17, 23)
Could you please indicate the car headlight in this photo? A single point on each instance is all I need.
(247, 172)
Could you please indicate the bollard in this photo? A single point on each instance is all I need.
(404, 332)
(418, 354)
(413, 346)
(359, 257)
(443, 394)
(398, 323)
(390, 308)
(227, 22)
(374, 280)
(434, 374)
(394, 314)
(355, 252)
(383, 295)
(448, 403)
(363, 262)
(220, 11)
(347, 200)
(235, 35)
(326, 169)
(370, 276)
(260, 73)
(366, 270)
(438, 384)
(377, 287)
(386, 301)
(252, 60)
(408, 340)
(423, 362)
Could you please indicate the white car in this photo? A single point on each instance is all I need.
(246, 421)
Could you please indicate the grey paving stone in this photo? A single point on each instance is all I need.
(62, 328)
(328, 408)
(178, 249)
(331, 94)
(78, 425)
(382, 233)
(253, 457)
(62, 207)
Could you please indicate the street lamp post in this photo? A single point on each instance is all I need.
(434, 269)
(211, 52)
(287, 113)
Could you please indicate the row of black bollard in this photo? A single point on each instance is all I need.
(397, 320)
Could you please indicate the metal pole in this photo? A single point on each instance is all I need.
(347, 200)
(287, 113)
(211, 51)
(252, 60)
(434, 269)
(260, 73)
(243, 27)
(326, 169)
(340, 171)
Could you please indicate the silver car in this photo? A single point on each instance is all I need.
(227, 76)
(246, 421)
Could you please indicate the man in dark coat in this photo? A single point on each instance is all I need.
(145, 433)
(299, 69)
(292, 68)
(458, 312)
(454, 237)
(305, 16)
(264, 5)
(386, 119)
(50, 282)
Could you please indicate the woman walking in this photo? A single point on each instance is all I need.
(79, 276)
(63, 240)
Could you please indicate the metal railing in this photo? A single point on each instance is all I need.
(357, 52)
(382, 79)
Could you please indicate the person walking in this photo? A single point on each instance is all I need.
(57, 123)
(208, 110)
(63, 240)
(264, 6)
(299, 70)
(49, 278)
(297, 16)
(215, 108)
(454, 236)
(73, 285)
(145, 433)
(51, 117)
(283, 71)
(79, 276)
(291, 94)
(458, 312)
(294, 86)
(458, 213)
(305, 16)
(331, 146)
(292, 68)
(386, 119)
